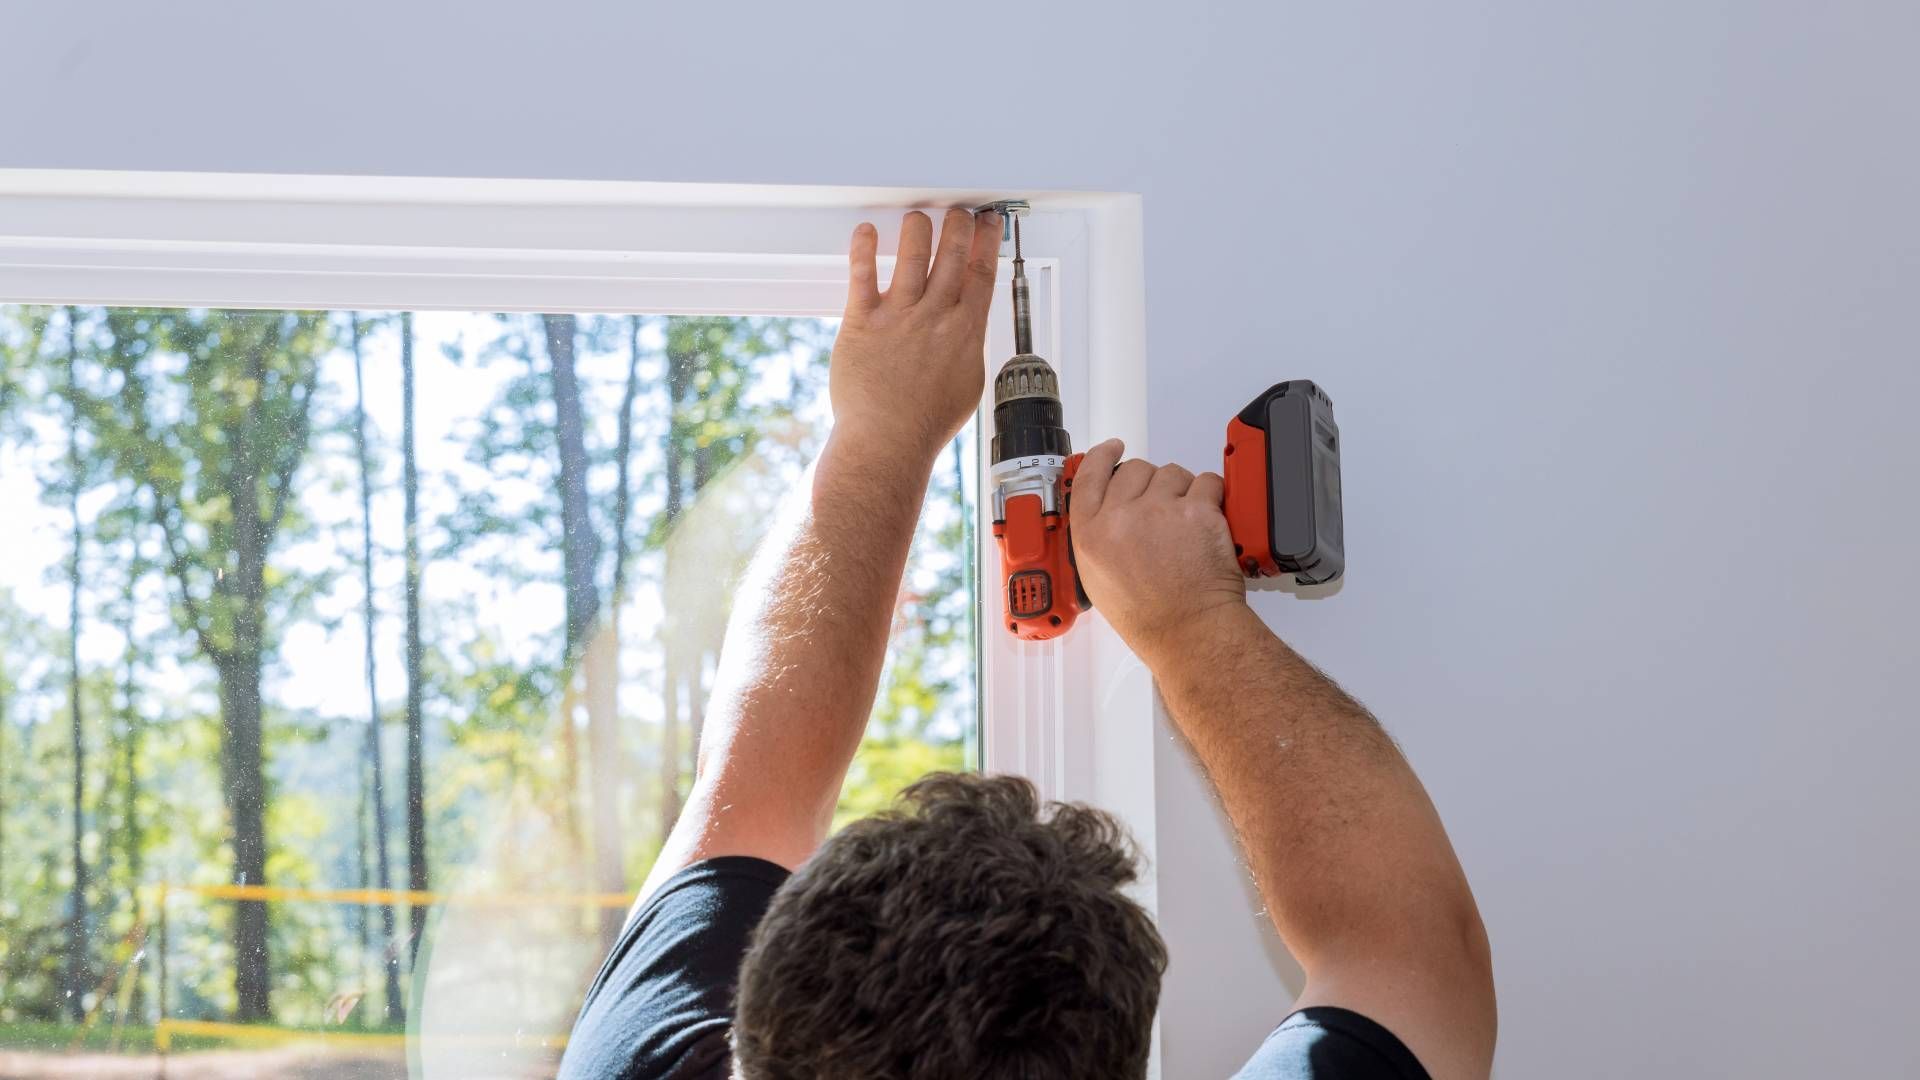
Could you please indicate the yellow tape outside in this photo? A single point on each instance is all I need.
(165, 1030)
(397, 896)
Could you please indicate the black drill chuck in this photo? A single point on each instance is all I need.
(1027, 418)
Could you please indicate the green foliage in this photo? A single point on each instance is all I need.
(887, 764)
(210, 412)
(22, 343)
(215, 458)
(56, 1038)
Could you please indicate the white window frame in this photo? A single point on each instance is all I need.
(1075, 716)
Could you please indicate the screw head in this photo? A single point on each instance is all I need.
(1005, 207)
(1008, 209)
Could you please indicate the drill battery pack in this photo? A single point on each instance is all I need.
(1282, 470)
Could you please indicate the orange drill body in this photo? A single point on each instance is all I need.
(1031, 528)
(1244, 468)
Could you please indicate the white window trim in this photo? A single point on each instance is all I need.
(1076, 716)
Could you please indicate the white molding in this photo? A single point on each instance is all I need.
(100, 184)
(281, 275)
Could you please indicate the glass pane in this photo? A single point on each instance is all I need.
(229, 741)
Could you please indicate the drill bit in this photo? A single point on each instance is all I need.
(1022, 300)
(1010, 211)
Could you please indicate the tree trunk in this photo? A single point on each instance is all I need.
(260, 447)
(600, 663)
(678, 382)
(570, 775)
(132, 733)
(362, 870)
(609, 757)
(375, 769)
(574, 536)
(696, 672)
(669, 742)
(417, 878)
(243, 779)
(580, 547)
(589, 652)
(242, 751)
(78, 978)
(623, 461)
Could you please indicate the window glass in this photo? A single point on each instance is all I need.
(356, 663)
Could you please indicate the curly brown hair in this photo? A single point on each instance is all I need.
(969, 934)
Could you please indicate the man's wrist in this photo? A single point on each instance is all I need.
(865, 464)
(1199, 642)
(909, 443)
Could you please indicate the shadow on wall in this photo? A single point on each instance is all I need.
(1285, 583)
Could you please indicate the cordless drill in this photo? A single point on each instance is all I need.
(1281, 466)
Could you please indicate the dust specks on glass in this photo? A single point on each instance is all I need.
(357, 661)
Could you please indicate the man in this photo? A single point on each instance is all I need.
(973, 933)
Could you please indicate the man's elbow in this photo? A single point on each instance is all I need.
(1443, 952)
(1467, 965)
(1449, 949)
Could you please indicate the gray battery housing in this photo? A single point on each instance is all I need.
(1303, 447)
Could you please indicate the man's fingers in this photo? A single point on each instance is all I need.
(910, 265)
(863, 280)
(1209, 488)
(1096, 472)
(1170, 482)
(950, 268)
(1129, 481)
(983, 263)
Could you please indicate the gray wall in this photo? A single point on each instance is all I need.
(1618, 304)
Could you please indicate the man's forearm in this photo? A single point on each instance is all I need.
(808, 634)
(804, 650)
(1305, 773)
(1347, 849)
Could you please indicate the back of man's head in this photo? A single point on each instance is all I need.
(970, 933)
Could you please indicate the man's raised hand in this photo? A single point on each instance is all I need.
(908, 366)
